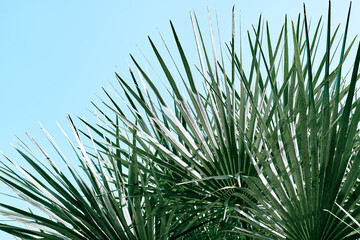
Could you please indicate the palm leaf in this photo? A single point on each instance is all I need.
(321, 155)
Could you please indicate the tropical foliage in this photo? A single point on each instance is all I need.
(268, 152)
(310, 159)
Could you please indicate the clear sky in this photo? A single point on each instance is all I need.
(56, 55)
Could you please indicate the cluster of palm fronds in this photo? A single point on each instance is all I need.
(269, 152)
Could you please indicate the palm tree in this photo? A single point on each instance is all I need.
(218, 162)
(235, 147)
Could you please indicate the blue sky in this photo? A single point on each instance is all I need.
(56, 55)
